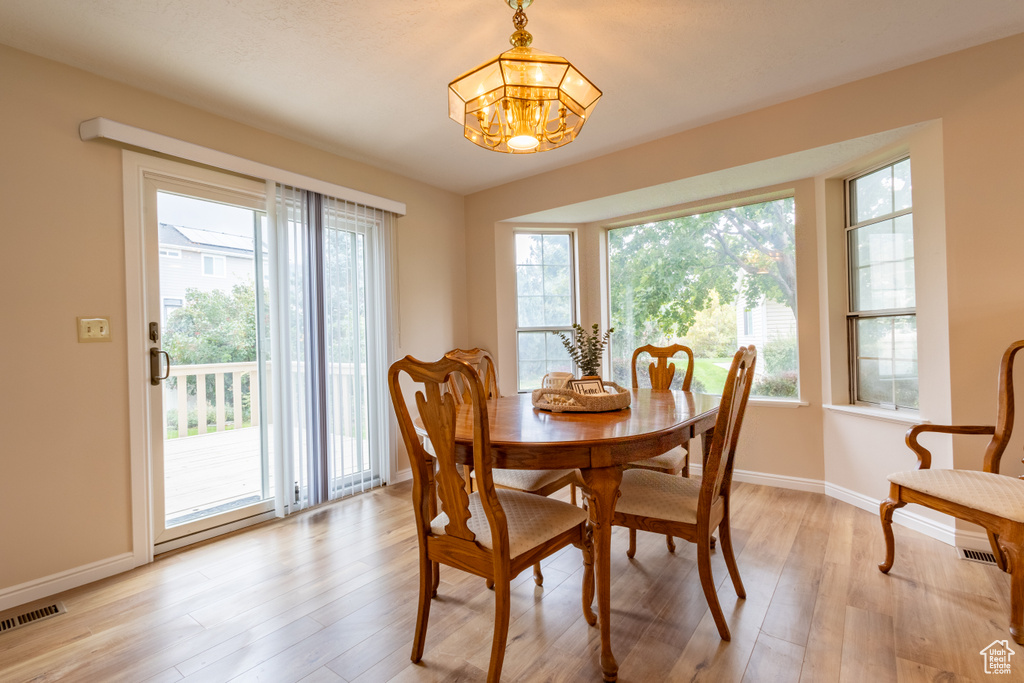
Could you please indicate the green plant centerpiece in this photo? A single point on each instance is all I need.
(585, 348)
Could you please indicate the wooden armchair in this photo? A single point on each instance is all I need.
(491, 533)
(692, 508)
(986, 498)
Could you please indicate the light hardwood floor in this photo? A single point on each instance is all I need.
(330, 595)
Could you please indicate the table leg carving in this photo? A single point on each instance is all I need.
(602, 490)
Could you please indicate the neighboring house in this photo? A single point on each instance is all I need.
(203, 260)
(761, 321)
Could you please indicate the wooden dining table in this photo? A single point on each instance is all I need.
(599, 445)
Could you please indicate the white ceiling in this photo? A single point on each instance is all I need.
(367, 79)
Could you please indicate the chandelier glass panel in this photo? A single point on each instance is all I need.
(523, 100)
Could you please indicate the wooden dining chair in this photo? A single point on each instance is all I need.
(537, 482)
(662, 372)
(677, 459)
(691, 508)
(986, 498)
(491, 532)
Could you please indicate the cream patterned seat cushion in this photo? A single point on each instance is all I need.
(531, 519)
(664, 496)
(996, 494)
(670, 460)
(525, 480)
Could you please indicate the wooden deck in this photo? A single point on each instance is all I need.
(211, 470)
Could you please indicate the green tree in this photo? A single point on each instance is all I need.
(713, 332)
(663, 273)
(213, 327)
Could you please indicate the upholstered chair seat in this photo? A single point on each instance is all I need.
(995, 494)
(646, 493)
(532, 520)
(670, 461)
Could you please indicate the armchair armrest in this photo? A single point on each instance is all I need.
(924, 456)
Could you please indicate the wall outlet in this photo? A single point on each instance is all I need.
(93, 330)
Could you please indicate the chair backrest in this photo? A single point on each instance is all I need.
(662, 373)
(481, 361)
(1004, 414)
(437, 410)
(717, 475)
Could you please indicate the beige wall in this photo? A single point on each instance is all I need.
(978, 98)
(64, 455)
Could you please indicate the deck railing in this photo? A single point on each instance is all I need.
(179, 396)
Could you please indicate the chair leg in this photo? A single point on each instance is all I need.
(587, 546)
(670, 543)
(427, 572)
(631, 551)
(889, 506)
(490, 584)
(502, 607)
(435, 574)
(572, 493)
(1013, 550)
(993, 541)
(538, 576)
(730, 559)
(707, 582)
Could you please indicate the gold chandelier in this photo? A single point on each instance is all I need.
(523, 100)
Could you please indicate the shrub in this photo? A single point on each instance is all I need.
(781, 385)
(779, 356)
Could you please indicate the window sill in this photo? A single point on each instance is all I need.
(776, 403)
(898, 417)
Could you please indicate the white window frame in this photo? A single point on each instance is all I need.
(170, 253)
(214, 259)
(574, 277)
(854, 314)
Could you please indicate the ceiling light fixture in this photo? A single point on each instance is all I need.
(523, 100)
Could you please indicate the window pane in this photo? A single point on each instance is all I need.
(556, 280)
(872, 195)
(529, 250)
(901, 186)
(530, 280)
(557, 311)
(531, 346)
(539, 353)
(887, 360)
(882, 266)
(556, 250)
(531, 311)
(693, 279)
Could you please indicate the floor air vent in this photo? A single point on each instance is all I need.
(38, 614)
(977, 556)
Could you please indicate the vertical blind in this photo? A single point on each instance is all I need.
(331, 307)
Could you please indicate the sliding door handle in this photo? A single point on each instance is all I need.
(155, 376)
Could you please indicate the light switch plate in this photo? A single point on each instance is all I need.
(93, 330)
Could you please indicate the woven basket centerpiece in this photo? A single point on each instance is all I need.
(569, 401)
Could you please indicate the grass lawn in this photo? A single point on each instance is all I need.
(193, 431)
(711, 376)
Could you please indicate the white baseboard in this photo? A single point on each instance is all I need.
(401, 475)
(38, 589)
(908, 518)
(973, 540)
(946, 533)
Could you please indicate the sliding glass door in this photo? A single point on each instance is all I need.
(206, 290)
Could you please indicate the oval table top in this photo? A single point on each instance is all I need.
(524, 437)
